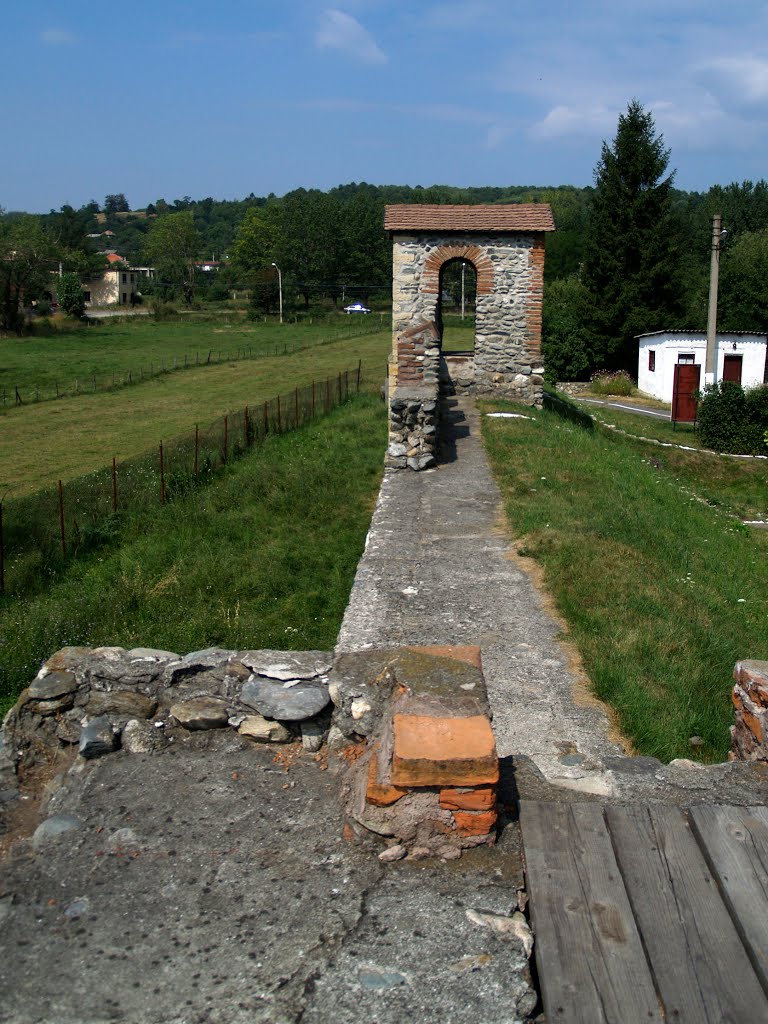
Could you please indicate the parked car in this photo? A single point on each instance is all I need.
(356, 307)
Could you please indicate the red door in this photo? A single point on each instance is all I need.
(732, 368)
(685, 387)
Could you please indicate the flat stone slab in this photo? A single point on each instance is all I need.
(287, 665)
(285, 703)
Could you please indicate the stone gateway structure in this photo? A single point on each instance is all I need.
(505, 245)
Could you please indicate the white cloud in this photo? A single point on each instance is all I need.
(746, 77)
(340, 31)
(562, 120)
(57, 37)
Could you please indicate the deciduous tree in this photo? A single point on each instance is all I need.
(27, 258)
(172, 246)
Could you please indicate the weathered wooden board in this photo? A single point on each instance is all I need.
(735, 843)
(701, 968)
(592, 968)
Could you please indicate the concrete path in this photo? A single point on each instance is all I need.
(440, 567)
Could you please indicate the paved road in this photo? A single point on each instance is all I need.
(659, 414)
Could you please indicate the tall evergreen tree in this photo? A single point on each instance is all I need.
(631, 268)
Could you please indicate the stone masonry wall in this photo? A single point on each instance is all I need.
(510, 275)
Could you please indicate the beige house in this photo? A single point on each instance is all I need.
(117, 286)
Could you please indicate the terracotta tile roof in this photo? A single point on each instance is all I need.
(489, 217)
(112, 257)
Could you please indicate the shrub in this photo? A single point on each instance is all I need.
(605, 382)
(732, 419)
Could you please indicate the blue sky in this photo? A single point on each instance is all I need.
(161, 99)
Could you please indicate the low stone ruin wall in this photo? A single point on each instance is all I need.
(413, 428)
(412, 724)
(749, 735)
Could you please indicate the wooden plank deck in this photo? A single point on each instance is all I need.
(649, 913)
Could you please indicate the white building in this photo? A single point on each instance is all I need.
(739, 356)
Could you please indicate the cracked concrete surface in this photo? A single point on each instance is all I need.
(210, 884)
(440, 568)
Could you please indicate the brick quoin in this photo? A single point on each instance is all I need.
(430, 280)
(535, 296)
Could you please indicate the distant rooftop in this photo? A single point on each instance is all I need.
(501, 218)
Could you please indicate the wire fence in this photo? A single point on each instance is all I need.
(91, 383)
(40, 532)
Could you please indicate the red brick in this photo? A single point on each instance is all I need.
(468, 653)
(473, 823)
(482, 798)
(377, 794)
(444, 751)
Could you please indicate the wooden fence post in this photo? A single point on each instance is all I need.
(313, 399)
(359, 368)
(61, 521)
(197, 448)
(162, 476)
(245, 429)
(2, 553)
(226, 437)
(266, 417)
(279, 424)
(296, 404)
(114, 485)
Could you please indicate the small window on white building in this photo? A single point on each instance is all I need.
(686, 357)
(87, 296)
(652, 360)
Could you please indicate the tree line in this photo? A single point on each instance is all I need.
(630, 254)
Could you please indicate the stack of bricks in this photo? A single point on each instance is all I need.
(428, 776)
(749, 736)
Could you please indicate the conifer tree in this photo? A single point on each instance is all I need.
(631, 268)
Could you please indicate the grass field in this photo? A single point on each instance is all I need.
(262, 558)
(108, 349)
(45, 442)
(662, 593)
(739, 486)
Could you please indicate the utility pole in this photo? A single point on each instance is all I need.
(714, 274)
(280, 287)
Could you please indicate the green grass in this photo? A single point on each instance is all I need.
(263, 558)
(662, 593)
(42, 443)
(107, 350)
(738, 486)
(458, 334)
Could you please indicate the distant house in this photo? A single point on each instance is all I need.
(208, 266)
(118, 285)
(739, 356)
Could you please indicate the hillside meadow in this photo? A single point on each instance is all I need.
(661, 586)
(262, 557)
(47, 441)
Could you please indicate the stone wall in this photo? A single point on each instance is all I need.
(749, 738)
(413, 724)
(510, 276)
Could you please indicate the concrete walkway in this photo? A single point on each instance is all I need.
(440, 568)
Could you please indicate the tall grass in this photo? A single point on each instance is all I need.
(662, 592)
(264, 557)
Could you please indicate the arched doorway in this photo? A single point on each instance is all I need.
(456, 306)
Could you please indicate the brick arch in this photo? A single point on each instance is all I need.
(430, 278)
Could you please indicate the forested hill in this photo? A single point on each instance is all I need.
(218, 220)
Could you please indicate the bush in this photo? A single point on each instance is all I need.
(732, 419)
(607, 383)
